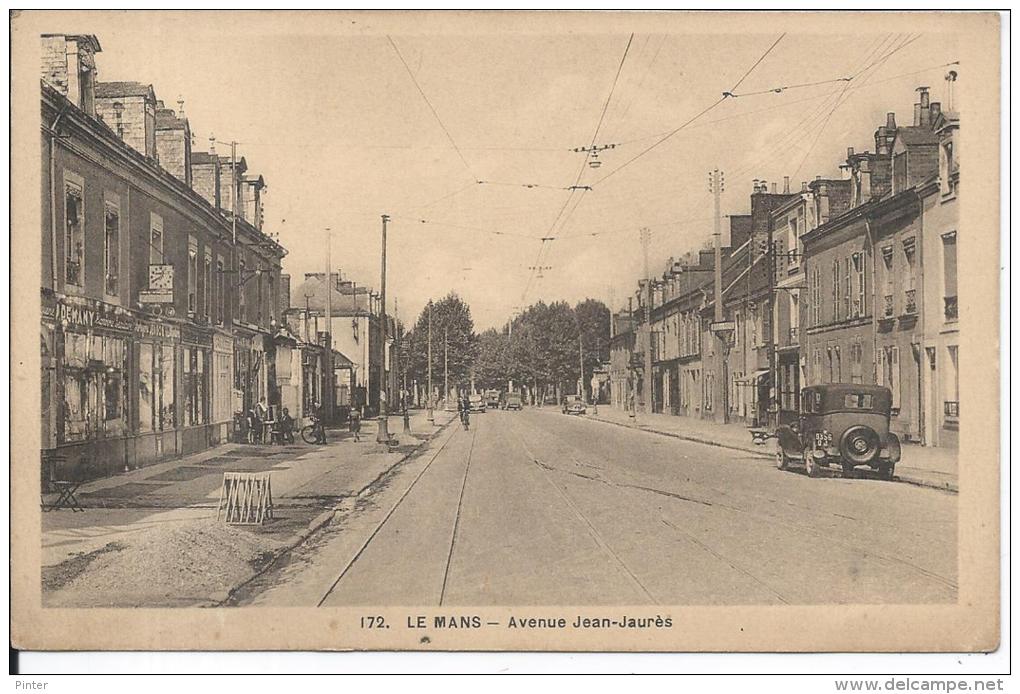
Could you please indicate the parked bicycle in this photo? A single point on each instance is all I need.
(314, 432)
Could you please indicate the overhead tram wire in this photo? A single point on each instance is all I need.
(432, 108)
(580, 173)
(691, 120)
(815, 115)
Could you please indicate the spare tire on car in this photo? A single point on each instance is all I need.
(859, 444)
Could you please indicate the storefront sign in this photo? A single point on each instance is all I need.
(160, 330)
(156, 296)
(223, 344)
(94, 314)
(195, 337)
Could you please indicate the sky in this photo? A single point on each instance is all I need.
(334, 121)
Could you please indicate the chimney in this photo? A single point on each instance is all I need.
(936, 110)
(950, 79)
(754, 187)
(849, 153)
(68, 65)
(173, 144)
(786, 184)
(773, 187)
(921, 113)
(823, 203)
(803, 186)
(180, 106)
(890, 120)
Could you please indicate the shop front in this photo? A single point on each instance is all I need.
(86, 354)
(222, 379)
(197, 427)
(250, 378)
(156, 348)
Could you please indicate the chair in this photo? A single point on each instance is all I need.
(52, 463)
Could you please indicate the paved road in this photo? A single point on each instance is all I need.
(535, 507)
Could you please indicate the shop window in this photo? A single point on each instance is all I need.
(74, 234)
(195, 386)
(156, 373)
(95, 370)
(111, 240)
(856, 363)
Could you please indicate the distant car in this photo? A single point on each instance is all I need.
(512, 402)
(574, 405)
(492, 398)
(841, 423)
(477, 403)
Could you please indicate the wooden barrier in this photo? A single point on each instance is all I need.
(246, 498)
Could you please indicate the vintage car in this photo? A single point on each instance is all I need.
(512, 401)
(477, 403)
(573, 404)
(492, 398)
(846, 424)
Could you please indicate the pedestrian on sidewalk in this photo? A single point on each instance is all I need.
(355, 423)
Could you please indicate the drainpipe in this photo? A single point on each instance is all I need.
(54, 136)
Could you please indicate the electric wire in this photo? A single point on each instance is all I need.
(432, 108)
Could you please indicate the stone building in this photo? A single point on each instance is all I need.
(139, 286)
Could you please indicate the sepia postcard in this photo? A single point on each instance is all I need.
(533, 331)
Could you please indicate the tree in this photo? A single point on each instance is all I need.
(593, 317)
(492, 366)
(451, 321)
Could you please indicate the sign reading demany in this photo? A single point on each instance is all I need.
(156, 296)
(161, 278)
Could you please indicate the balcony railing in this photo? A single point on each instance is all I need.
(952, 408)
(952, 308)
(888, 305)
(911, 307)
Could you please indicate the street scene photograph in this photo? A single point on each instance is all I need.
(452, 319)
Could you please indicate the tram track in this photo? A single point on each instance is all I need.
(382, 523)
(714, 500)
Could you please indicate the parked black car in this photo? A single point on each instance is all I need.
(841, 423)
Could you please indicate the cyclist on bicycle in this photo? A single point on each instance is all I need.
(464, 407)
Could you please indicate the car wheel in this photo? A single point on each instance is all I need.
(848, 470)
(810, 466)
(781, 460)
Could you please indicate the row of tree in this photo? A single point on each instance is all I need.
(543, 347)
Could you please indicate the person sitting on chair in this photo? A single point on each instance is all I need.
(286, 426)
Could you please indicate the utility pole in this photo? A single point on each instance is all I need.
(580, 350)
(383, 434)
(327, 397)
(718, 395)
(403, 370)
(446, 364)
(646, 239)
(432, 417)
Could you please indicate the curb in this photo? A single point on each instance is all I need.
(318, 523)
(945, 486)
(685, 437)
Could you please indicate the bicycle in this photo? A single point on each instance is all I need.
(314, 432)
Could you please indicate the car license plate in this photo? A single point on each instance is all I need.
(823, 439)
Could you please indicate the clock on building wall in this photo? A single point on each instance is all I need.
(161, 277)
